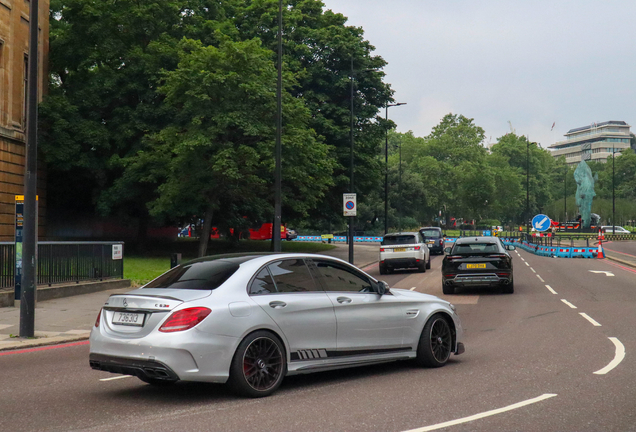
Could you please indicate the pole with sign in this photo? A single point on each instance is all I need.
(349, 209)
(19, 225)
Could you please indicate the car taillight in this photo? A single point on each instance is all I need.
(502, 274)
(449, 275)
(453, 257)
(184, 319)
(99, 315)
(496, 256)
(381, 249)
(416, 248)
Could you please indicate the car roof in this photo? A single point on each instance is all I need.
(478, 239)
(401, 233)
(428, 228)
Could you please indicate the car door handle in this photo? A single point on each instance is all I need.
(277, 304)
(343, 300)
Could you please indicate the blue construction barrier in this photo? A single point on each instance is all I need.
(553, 251)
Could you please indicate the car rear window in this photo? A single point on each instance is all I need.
(398, 240)
(206, 275)
(475, 248)
(431, 233)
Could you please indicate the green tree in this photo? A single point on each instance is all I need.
(218, 150)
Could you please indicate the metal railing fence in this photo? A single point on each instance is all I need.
(63, 262)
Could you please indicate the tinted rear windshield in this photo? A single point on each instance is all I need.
(207, 275)
(475, 248)
(398, 240)
(431, 233)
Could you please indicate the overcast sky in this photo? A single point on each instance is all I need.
(533, 63)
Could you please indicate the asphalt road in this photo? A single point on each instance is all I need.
(519, 347)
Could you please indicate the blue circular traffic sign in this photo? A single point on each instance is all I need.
(541, 222)
(350, 205)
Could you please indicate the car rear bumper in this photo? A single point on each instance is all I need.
(402, 262)
(190, 355)
(477, 279)
(136, 367)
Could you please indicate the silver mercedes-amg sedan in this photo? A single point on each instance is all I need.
(251, 319)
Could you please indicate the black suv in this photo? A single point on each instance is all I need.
(434, 239)
(477, 261)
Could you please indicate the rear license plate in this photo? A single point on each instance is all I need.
(475, 266)
(430, 245)
(128, 318)
(399, 250)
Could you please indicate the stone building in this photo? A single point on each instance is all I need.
(595, 142)
(14, 50)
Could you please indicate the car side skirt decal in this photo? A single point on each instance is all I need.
(313, 354)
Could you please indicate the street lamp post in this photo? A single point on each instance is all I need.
(613, 194)
(386, 169)
(565, 195)
(527, 184)
(279, 126)
(351, 189)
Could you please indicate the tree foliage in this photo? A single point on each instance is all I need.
(165, 108)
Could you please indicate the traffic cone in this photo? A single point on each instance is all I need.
(600, 253)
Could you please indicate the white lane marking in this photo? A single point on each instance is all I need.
(568, 303)
(540, 278)
(599, 271)
(587, 317)
(484, 414)
(528, 264)
(115, 378)
(521, 258)
(533, 270)
(550, 289)
(618, 357)
(412, 289)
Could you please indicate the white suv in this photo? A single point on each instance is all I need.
(404, 250)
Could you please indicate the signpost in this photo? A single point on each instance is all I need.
(541, 222)
(19, 225)
(350, 209)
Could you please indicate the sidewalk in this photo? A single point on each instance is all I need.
(620, 257)
(70, 319)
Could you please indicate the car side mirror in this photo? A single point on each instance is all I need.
(383, 287)
(510, 247)
(447, 250)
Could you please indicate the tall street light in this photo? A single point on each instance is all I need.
(351, 189)
(30, 240)
(386, 169)
(527, 184)
(279, 126)
(565, 195)
(613, 194)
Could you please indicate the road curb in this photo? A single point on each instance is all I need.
(627, 263)
(33, 343)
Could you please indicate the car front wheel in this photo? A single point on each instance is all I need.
(436, 343)
(258, 366)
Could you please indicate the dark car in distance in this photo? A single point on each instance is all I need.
(434, 239)
(477, 261)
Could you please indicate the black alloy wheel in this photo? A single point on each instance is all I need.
(436, 342)
(258, 366)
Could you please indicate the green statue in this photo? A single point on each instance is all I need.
(584, 192)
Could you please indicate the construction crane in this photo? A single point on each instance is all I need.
(512, 130)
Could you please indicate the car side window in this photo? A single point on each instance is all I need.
(263, 283)
(292, 275)
(336, 278)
